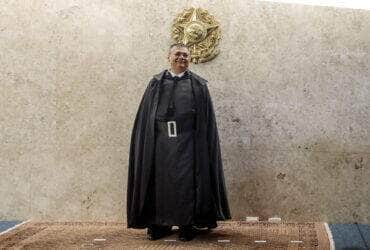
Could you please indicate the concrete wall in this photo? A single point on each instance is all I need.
(290, 87)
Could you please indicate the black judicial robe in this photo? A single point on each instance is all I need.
(172, 189)
(207, 188)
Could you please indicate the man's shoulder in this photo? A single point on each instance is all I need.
(200, 79)
(156, 78)
(159, 76)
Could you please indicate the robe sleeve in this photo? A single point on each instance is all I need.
(135, 175)
(216, 168)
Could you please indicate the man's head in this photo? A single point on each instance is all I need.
(179, 57)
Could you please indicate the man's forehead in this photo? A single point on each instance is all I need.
(179, 49)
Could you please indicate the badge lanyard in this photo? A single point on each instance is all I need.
(171, 125)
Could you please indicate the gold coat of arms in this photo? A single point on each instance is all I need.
(199, 30)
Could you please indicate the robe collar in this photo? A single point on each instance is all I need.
(199, 79)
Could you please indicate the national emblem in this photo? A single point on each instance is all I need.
(198, 30)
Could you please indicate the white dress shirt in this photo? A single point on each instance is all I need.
(178, 75)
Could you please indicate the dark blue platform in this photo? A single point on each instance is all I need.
(5, 225)
(350, 236)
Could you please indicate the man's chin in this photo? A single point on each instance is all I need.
(182, 68)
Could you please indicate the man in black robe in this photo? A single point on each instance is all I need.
(175, 172)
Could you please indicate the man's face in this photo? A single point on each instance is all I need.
(179, 59)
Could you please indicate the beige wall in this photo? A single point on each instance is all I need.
(290, 87)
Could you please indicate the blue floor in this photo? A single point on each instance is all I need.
(5, 225)
(350, 236)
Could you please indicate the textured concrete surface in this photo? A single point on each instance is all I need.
(290, 87)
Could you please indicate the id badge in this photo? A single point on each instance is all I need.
(172, 129)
